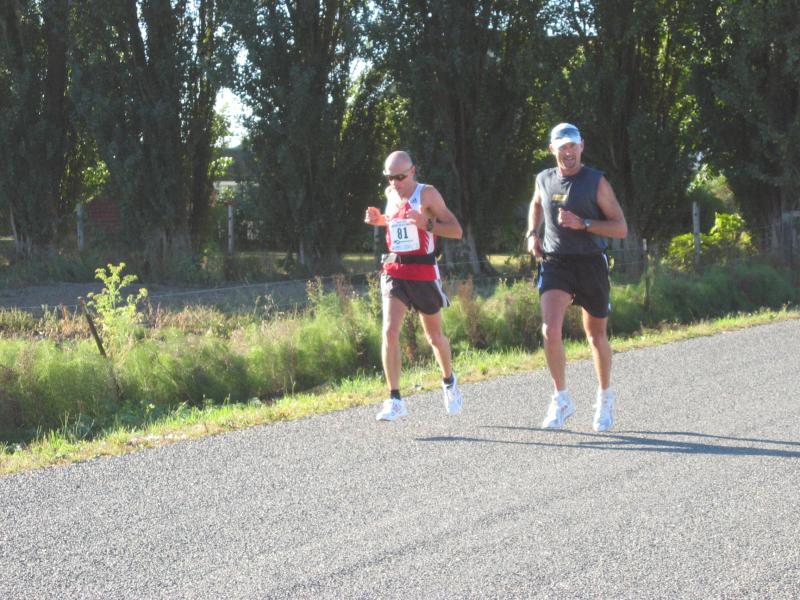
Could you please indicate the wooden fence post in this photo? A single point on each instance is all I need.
(230, 228)
(646, 275)
(696, 231)
(92, 328)
(81, 214)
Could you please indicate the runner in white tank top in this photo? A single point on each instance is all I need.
(415, 215)
(397, 211)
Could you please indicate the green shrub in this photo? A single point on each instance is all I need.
(727, 241)
(762, 286)
(684, 297)
(680, 252)
(10, 405)
(339, 335)
(199, 356)
(16, 322)
(325, 349)
(199, 320)
(366, 329)
(679, 297)
(55, 324)
(9, 349)
(119, 318)
(331, 341)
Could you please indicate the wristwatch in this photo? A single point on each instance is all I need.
(586, 224)
(429, 225)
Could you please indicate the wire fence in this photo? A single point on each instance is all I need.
(282, 295)
(628, 264)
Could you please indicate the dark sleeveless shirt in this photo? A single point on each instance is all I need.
(578, 194)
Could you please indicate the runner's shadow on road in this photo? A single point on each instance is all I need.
(718, 437)
(633, 441)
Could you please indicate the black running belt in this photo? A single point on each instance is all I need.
(554, 257)
(410, 259)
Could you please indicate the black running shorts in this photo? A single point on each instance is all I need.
(583, 276)
(425, 296)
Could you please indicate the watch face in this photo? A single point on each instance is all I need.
(587, 223)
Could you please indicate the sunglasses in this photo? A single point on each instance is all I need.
(398, 176)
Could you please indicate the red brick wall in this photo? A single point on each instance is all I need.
(103, 214)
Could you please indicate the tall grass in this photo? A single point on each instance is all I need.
(44, 384)
(198, 357)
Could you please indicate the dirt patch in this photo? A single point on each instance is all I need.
(282, 294)
(33, 298)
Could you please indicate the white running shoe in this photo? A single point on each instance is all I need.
(560, 409)
(392, 410)
(452, 397)
(604, 411)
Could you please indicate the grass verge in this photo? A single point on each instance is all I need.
(185, 423)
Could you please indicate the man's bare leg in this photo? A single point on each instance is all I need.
(432, 325)
(393, 313)
(597, 336)
(554, 305)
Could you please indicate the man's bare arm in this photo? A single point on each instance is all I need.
(535, 218)
(612, 226)
(436, 217)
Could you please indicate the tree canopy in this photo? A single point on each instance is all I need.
(470, 76)
(297, 81)
(747, 81)
(116, 100)
(35, 129)
(145, 77)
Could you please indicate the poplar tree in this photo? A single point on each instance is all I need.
(145, 78)
(624, 83)
(471, 75)
(296, 79)
(35, 128)
(747, 79)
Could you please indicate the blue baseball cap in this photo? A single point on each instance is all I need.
(564, 133)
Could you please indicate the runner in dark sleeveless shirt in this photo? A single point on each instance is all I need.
(578, 210)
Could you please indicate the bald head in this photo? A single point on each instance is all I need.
(397, 162)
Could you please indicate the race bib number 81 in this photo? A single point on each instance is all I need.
(404, 235)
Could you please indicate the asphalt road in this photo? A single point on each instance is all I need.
(693, 495)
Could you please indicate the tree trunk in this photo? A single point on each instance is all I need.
(19, 251)
(628, 254)
(163, 248)
(462, 255)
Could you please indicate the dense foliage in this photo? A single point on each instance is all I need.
(116, 102)
(201, 356)
(747, 81)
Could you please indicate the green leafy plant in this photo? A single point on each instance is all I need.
(119, 318)
(729, 239)
(726, 242)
